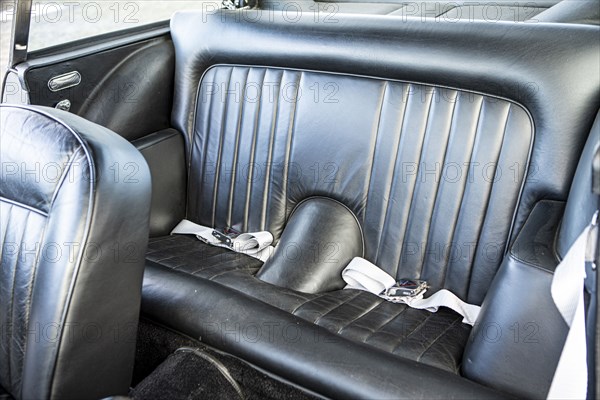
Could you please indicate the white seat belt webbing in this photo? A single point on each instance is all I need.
(363, 275)
(571, 376)
(256, 244)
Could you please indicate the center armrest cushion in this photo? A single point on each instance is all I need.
(321, 237)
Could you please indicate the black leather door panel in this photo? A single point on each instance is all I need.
(127, 88)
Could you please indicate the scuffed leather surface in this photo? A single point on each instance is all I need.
(519, 324)
(321, 237)
(435, 339)
(294, 348)
(397, 154)
(73, 243)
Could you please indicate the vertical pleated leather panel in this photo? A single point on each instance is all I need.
(433, 174)
(240, 154)
(21, 231)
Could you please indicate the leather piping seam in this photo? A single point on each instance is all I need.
(65, 174)
(25, 206)
(530, 264)
(164, 136)
(390, 13)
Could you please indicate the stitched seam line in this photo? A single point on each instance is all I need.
(416, 328)
(446, 265)
(220, 150)
(392, 179)
(415, 184)
(362, 314)
(437, 339)
(316, 322)
(390, 320)
(437, 189)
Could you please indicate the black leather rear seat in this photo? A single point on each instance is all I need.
(384, 149)
(436, 339)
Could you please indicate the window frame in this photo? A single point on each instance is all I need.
(19, 43)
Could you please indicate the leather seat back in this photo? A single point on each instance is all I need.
(74, 201)
(416, 164)
(435, 175)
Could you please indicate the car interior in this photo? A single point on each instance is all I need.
(455, 143)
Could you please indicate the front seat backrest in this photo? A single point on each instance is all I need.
(74, 206)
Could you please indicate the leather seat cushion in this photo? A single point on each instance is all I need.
(436, 339)
(189, 255)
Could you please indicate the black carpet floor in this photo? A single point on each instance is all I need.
(188, 374)
(173, 366)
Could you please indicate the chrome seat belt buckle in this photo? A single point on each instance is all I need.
(223, 238)
(407, 288)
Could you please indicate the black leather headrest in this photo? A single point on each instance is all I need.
(32, 175)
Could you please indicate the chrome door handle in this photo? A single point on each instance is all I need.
(64, 81)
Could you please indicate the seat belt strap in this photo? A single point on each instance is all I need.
(255, 244)
(363, 275)
(571, 375)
